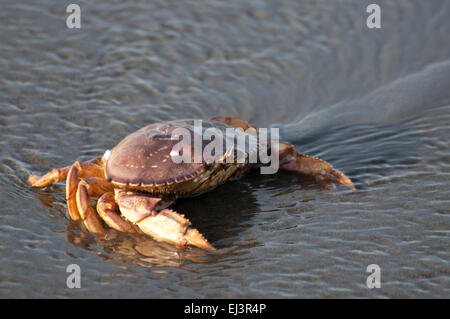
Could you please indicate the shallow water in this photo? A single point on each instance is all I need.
(374, 103)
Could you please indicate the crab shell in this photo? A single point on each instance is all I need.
(143, 160)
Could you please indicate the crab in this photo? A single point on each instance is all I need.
(137, 181)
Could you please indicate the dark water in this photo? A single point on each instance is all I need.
(374, 102)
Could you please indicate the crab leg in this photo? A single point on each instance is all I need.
(164, 225)
(293, 161)
(78, 197)
(78, 170)
(322, 171)
(84, 207)
(71, 191)
(91, 168)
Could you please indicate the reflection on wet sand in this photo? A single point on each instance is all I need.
(121, 249)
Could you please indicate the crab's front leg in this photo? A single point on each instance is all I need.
(90, 168)
(323, 172)
(78, 196)
(83, 170)
(164, 225)
(78, 193)
(85, 210)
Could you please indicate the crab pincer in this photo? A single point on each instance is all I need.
(164, 225)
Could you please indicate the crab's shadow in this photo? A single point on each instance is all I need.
(222, 214)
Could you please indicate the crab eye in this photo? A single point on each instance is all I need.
(107, 154)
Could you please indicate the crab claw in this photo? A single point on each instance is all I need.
(164, 225)
(169, 226)
(194, 238)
